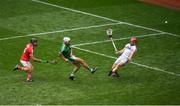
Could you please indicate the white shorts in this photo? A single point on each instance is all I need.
(121, 60)
(25, 63)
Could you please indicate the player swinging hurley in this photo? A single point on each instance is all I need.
(126, 55)
(67, 55)
(25, 59)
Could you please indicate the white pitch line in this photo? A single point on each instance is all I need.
(65, 30)
(73, 10)
(98, 16)
(138, 64)
(154, 68)
(140, 36)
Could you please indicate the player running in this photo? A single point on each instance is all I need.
(25, 59)
(126, 55)
(67, 55)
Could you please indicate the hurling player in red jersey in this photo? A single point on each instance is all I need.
(25, 59)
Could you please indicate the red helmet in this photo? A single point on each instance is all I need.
(133, 39)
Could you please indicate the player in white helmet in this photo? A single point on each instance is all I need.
(67, 55)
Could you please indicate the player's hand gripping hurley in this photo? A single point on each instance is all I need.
(109, 34)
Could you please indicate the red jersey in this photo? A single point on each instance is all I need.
(27, 52)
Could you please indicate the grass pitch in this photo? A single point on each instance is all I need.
(137, 84)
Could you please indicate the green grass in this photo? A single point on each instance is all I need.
(137, 85)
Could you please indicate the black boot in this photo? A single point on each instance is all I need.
(71, 77)
(110, 72)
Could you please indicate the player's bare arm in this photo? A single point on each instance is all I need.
(130, 57)
(37, 59)
(71, 53)
(120, 52)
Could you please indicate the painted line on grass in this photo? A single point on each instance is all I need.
(138, 64)
(73, 10)
(65, 30)
(140, 36)
(102, 17)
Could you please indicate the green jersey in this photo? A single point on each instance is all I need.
(66, 50)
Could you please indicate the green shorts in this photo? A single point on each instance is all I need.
(72, 59)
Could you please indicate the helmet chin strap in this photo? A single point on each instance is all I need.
(34, 43)
(132, 43)
(67, 44)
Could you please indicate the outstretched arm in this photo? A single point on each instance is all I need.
(120, 52)
(37, 59)
(132, 54)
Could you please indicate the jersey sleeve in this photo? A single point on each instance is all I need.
(134, 49)
(62, 49)
(127, 45)
(30, 51)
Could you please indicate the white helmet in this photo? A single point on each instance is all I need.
(66, 39)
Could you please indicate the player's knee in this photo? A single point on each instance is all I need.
(114, 65)
(119, 66)
(78, 66)
(82, 61)
(31, 69)
(27, 69)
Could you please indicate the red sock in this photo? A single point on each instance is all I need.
(29, 76)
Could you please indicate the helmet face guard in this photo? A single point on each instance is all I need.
(133, 40)
(34, 41)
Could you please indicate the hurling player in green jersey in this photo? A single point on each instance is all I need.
(67, 55)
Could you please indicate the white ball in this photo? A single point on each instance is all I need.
(165, 22)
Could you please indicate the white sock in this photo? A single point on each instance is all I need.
(72, 74)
